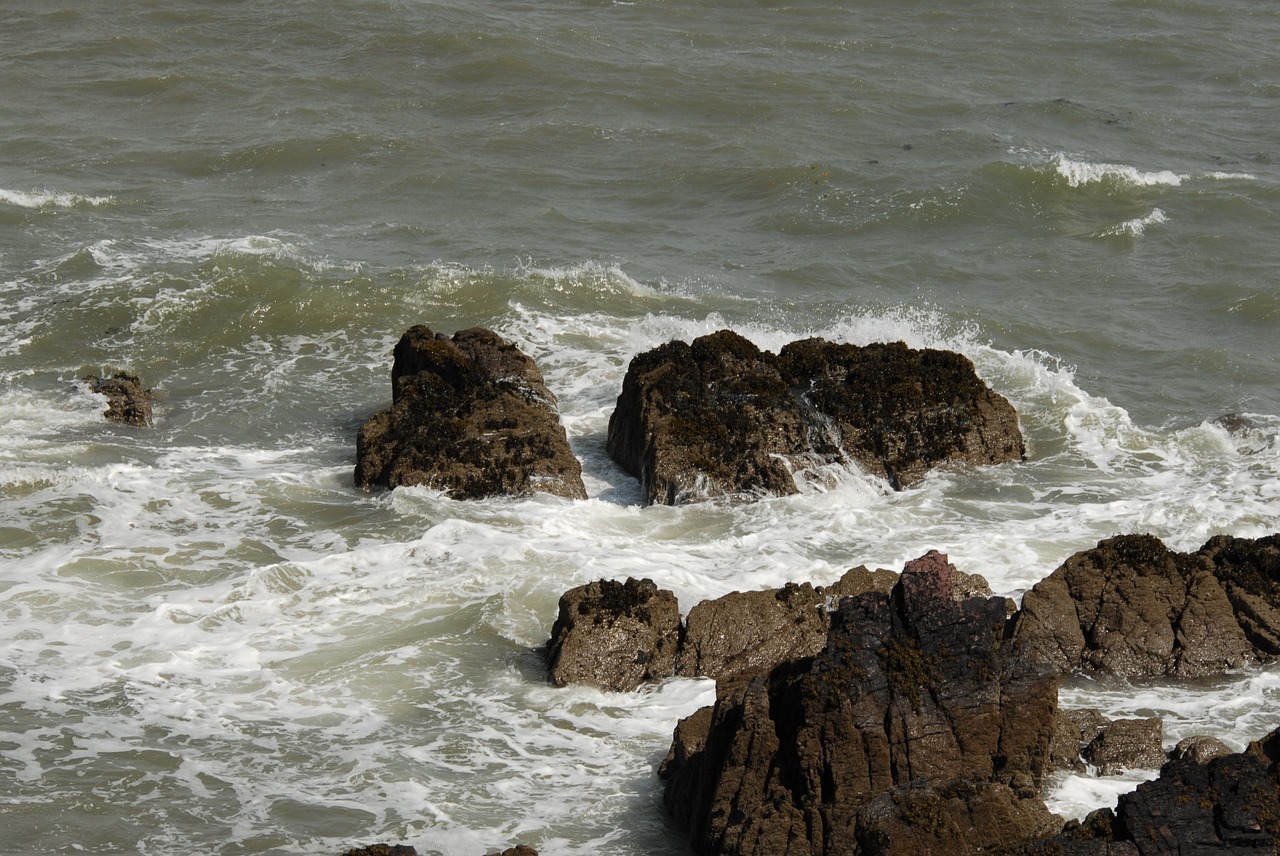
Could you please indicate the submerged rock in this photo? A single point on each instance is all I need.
(1132, 607)
(917, 726)
(470, 415)
(614, 636)
(721, 417)
(128, 403)
(382, 850)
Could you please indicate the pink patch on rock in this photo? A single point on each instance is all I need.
(929, 576)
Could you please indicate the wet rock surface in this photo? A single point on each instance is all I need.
(916, 726)
(614, 636)
(720, 417)
(1133, 608)
(128, 402)
(470, 415)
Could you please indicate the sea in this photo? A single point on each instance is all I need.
(212, 642)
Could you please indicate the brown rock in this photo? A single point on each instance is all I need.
(720, 417)
(518, 850)
(1133, 608)
(747, 632)
(915, 696)
(128, 403)
(1200, 749)
(382, 850)
(1135, 744)
(470, 415)
(614, 636)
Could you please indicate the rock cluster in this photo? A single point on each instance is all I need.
(720, 417)
(916, 727)
(913, 713)
(470, 415)
(128, 402)
(617, 636)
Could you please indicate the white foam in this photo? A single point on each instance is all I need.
(50, 199)
(1137, 226)
(1081, 172)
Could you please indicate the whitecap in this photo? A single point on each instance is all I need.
(51, 199)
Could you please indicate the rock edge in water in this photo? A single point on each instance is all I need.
(128, 402)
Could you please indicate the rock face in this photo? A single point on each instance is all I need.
(127, 401)
(917, 726)
(743, 633)
(614, 636)
(469, 415)
(1133, 608)
(720, 417)
(1230, 803)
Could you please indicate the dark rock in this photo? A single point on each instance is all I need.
(1074, 729)
(1133, 608)
(518, 850)
(720, 417)
(1228, 804)
(614, 636)
(127, 402)
(1200, 749)
(918, 723)
(470, 415)
(1127, 744)
(382, 850)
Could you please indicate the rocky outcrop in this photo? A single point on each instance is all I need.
(1199, 748)
(614, 636)
(917, 726)
(720, 417)
(1086, 736)
(518, 850)
(128, 403)
(470, 415)
(1230, 803)
(1132, 607)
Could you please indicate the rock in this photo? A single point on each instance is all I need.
(382, 850)
(127, 402)
(471, 416)
(918, 725)
(518, 850)
(1228, 804)
(1134, 744)
(1200, 749)
(720, 417)
(1133, 608)
(1110, 745)
(614, 636)
(747, 632)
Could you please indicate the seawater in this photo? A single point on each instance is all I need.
(212, 641)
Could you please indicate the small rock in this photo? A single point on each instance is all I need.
(127, 402)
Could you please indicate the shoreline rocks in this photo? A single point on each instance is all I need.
(719, 417)
(470, 415)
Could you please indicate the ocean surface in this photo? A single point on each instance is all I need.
(211, 642)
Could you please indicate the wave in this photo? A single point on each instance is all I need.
(51, 199)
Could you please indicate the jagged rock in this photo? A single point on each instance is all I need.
(518, 850)
(720, 417)
(1228, 804)
(382, 850)
(127, 401)
(1074, 729)
(1199, 748)
(916, 700)
(1133, 608)
(1135, 744)
(470, 415)
(614, 636)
